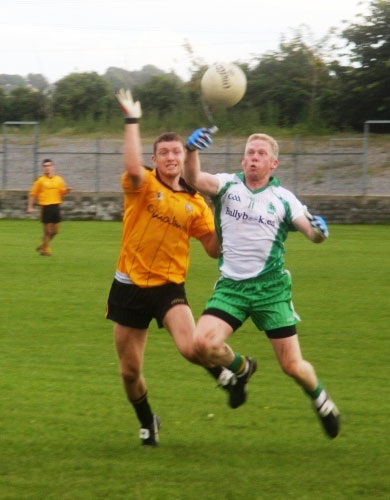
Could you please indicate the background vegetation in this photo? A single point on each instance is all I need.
(305, 85)
(67, 431)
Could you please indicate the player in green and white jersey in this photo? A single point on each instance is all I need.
(253, 217)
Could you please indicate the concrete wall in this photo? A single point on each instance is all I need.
(76, 206)
(108, 206)
(345, 209)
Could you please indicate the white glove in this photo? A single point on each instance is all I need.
(130, 108)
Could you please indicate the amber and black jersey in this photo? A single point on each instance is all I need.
(48, 190)
(157, 225)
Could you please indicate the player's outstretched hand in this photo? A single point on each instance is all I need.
(320, 225)
(130, 108)
(200, 138)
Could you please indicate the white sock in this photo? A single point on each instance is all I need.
(318, 402)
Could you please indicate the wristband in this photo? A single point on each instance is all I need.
(130, 119)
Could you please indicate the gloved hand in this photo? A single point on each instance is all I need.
(130, 108)
(320, 225)
(200, 138)
(317, 222)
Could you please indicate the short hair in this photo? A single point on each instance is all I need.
(274, 145)
(46, 160)
(167, 137)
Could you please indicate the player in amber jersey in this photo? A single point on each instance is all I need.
(161, 214)
(158, 222)
(48, 190)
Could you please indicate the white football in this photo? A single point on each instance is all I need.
(223, 85)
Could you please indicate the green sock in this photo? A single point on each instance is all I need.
(314, 394)
(237, 362)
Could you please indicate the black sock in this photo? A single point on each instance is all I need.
(215, 371)
(143, 410)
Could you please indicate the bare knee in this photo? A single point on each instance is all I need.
(130, 374)
(51, 231)
(292, 368)
(301, 371)
(200, 346)
(209, 341)
(204, 348)
(188, 352)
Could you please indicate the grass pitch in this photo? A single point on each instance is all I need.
(67, 431)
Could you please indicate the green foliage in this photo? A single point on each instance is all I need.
(371, 39)
(120, 78)
(67, 431)
(287, 87)
(9, 82)
(302, 85)
(80, 95)
(37, 81)
(24, 103)
(366, 84)
(3, 105)
(85, 127)
(162, 93)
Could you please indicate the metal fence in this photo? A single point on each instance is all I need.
(333, 166)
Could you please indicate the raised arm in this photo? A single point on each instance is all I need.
(202, 181)
(133, 158)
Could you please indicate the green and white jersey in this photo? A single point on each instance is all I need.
(253, 225)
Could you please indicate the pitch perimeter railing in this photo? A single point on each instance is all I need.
(339, 165)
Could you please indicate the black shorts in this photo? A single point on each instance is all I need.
(50, 214)
(131, 305)
(276, 333)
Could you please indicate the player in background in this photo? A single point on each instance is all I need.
(254, 215)
(48, 190)
(161, 214)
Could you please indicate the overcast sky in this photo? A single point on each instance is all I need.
(58, 37)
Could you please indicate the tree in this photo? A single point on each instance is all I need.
(82, 95)
(287, 86)
(161, 93)
(146, 73)
(25, 103)
(119, 78)
(366, 84)
(9, 82)
(37, 81)
(3, 105)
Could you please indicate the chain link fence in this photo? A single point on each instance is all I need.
(327, 166)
